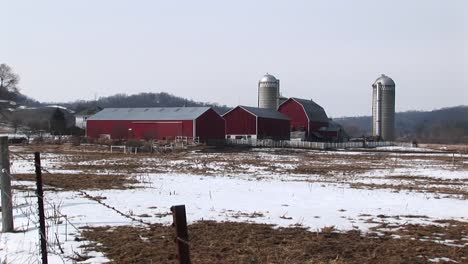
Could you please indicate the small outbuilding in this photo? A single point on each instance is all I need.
(306, 116)
(334, 132)
(165, 123)
(256, 123)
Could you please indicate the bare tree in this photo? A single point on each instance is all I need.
(8, 79)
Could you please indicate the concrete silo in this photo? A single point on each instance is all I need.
(268, 92)
(383, 108)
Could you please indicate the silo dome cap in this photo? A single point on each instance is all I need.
(268, 78)
(384, 80)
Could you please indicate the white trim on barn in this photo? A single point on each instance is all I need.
(239, 136)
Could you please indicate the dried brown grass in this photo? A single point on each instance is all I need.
(212, 242)
(78, 182)
(458, 192)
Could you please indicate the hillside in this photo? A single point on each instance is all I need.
(17, 97)
(141, 100)
(446, 125)
(41, 118)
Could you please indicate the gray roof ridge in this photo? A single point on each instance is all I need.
(257, 112)
(150, 113)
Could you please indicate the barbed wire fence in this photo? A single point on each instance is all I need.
(88, 196)
(57, 223)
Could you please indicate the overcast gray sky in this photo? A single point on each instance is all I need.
(216, 51)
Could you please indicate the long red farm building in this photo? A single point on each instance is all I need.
(256, 123)
(157, 123)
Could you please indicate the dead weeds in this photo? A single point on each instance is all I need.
(325, 167)
(78, 182)
(448, 232)
(228, 242)
(452, 191)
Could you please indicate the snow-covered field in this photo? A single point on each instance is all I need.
(348, 190)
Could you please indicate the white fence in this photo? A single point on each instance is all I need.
(309, 145)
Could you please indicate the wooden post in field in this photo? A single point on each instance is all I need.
(180, 224)
(40, 202)
(5, 184)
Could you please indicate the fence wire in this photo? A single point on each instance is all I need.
(32, 215)
(53, 222)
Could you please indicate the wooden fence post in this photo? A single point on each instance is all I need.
(180, 224)
(40, 202)
(5, 184)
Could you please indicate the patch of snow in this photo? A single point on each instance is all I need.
(403, 148)
(255, 194)
(443, 259)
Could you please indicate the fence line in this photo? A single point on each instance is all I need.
(5, 186)
(312, 145)
(53, 222)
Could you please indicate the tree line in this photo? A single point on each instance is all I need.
(161, 99)
(446, 125)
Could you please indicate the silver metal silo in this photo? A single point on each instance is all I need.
(268, 92)
(383, 108)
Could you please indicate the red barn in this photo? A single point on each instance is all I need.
(305, 115)
(257, 123)
(157, 123)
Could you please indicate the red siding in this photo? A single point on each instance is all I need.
(240, 122)
(210, 125)
(299, 120)
(273, 129)
(144, 129)
(295, 111)
(162, 129)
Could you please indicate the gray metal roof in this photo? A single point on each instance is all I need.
(385, 80)
(268, 78)
(150, 113)
(89, 111)
(265, 112)
(314, 112)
